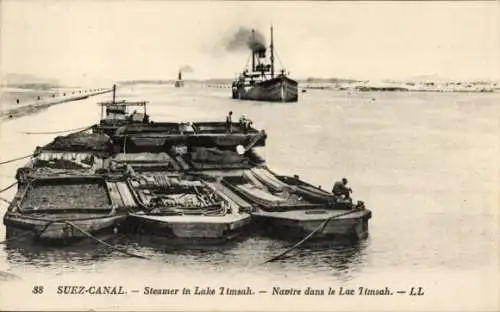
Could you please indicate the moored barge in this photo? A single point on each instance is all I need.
(49, 206)
(198, 181)
(176, 206)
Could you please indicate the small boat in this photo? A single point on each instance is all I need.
(115, 114)
(261, 83)
(290, 207)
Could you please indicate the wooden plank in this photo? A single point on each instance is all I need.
(260, 194)
(269, 179)
(127, 197)
(231, 195)
(250, 176)
(114, 194)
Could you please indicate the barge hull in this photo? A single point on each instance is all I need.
(354, 227)
(189, 228)
(57, 232)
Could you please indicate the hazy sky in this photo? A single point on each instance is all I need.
(118, 40)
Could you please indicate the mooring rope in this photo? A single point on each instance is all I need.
(60, 131)
(4, 200)
(8, 187)
(14, 159)
(87, 234)
(105, 243)
(318, 228)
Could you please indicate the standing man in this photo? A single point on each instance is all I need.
(340, 189)
(229, 122)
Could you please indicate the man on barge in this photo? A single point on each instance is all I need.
(340, 189)
(245, 123)
(229, 122)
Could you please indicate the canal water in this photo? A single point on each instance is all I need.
(426, 164)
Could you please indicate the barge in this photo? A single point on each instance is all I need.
(289, 207)
(176, 206)
(185, 182)
(53, 210)
(49, 206)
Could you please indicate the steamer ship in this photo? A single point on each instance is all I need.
(260, 82)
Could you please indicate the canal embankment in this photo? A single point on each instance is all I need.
(21, 106)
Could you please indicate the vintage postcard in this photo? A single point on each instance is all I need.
(249, 156)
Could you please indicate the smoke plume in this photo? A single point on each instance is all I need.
(244, 39)
(186, 69)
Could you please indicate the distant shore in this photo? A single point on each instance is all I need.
(468, 87)
(355, 85)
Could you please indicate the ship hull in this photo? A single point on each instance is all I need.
(280, 89)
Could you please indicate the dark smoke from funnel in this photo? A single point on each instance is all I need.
(244, 39)
(186, 69)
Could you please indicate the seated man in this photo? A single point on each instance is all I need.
(340, 189)
(245, 123)
(186, 127)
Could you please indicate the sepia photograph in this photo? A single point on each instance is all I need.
(249, 155)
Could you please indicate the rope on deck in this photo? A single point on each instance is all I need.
(14, 159)
(61, 131)
(317, 229)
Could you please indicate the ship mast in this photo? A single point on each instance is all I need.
(272, 53)
(253, 52)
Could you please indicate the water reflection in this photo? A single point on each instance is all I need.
(341, 258)
(22, 252)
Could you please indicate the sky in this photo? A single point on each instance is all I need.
(123, 40)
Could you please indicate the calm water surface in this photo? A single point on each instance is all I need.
(427, 164)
